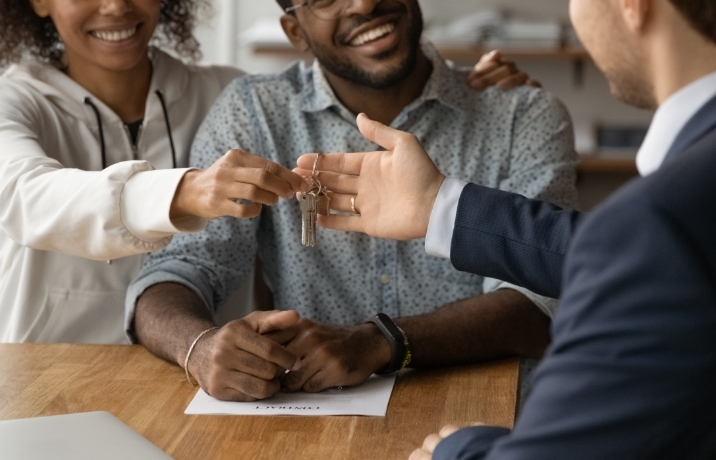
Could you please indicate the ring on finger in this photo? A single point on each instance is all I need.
(353, 205)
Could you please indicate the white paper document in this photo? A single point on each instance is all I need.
(371, 399)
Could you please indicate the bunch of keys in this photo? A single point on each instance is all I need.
(313, 202)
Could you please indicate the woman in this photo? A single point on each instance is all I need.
(82, 127)
(85, 119)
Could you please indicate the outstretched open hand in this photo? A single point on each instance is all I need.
(391, 192)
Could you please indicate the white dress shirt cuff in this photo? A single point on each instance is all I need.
(546, 304)
(442, 218)
(146, 202)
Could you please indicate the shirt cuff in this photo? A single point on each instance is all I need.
(548, 305)
(146, 202)
(442, 218)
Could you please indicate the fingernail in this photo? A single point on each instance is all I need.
(290, 195)
(297, 366)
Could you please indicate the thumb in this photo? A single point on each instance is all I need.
(263, 322)
(493, 55)
(377, 132)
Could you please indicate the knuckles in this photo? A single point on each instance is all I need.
(235, 155)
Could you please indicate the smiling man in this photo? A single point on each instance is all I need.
(368, 59)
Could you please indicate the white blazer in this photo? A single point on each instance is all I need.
(62, 216)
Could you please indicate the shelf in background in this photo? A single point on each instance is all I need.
(595, 164)
(451, 52)
(474, 53)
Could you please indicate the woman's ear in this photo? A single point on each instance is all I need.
(293, 31)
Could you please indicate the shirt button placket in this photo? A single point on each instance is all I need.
(387, 278)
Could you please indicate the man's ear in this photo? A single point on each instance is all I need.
(40, 8)
(636, 13)
(293, 31)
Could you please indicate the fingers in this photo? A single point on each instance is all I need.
(484, 69)
(249, 161)
(378, 133)
(240, 211)
(268, 321)
(295, 380)
(533, 83)
(344, 163)
(247, 363)
(323, 380)
(342, 202)
(494, 76)
(229, 372)
(283, 336)
(246, 388)
(344, 223)
(257, 194)
(258, 185)
(448, 430)
(513, 81)
(486, 59)
(431, 442)
(420, 454)
(341, 183)
(245, 337)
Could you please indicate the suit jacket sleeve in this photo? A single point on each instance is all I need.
(630, 372)
(509, 237)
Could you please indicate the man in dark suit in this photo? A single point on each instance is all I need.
(631, 372)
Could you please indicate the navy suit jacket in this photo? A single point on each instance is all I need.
(631, 372)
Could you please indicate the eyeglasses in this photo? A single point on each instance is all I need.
(323, 9)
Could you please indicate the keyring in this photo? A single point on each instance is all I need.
(315, 164)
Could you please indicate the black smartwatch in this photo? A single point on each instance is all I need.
(399, 347)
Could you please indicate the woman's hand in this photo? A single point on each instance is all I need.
(238, 175)
(493, 69)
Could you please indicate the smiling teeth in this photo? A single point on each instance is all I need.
(373, 34)
(117, 36)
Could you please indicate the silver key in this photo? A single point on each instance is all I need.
(308, 219)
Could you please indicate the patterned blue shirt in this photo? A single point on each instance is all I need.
(520, 141)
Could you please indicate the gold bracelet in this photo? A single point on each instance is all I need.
(191, 348)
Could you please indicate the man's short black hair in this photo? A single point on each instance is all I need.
(701, 14)
(284, 4)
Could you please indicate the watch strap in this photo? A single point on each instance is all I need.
(399, 347)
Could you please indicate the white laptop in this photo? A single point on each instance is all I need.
(89, 436)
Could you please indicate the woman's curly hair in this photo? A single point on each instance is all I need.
(22, 32)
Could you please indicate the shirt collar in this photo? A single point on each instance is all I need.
(444, 85)
(670, 119)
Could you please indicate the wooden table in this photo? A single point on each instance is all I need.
(151, 395)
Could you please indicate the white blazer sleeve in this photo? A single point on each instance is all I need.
(46, 206)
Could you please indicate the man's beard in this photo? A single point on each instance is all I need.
(630, 88)
(345, 69)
